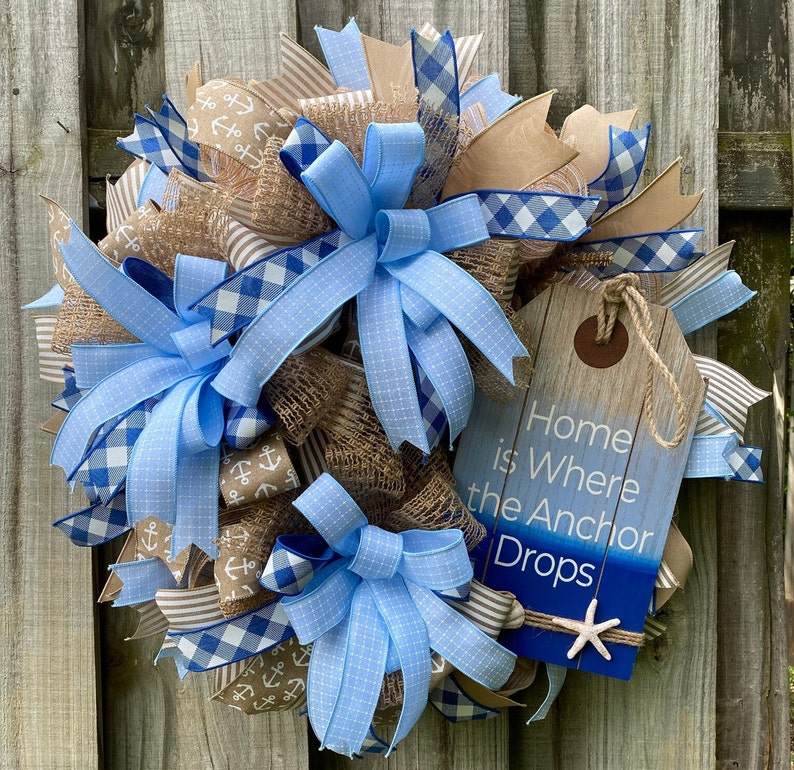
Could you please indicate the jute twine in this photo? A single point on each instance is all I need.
(624, 290)
(546, 623)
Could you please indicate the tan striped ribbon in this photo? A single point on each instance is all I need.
(675, 566)
(121, 197)
(708, 425)
(730, 392)
(697, 275)
(187, 609)
(50, 364)
(349, 98)
(150, 622)
(311, 455)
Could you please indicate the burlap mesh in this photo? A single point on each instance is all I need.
(283, 206)
(194, 220)
(81, 319)
(441, 142)
(488, 378)
(437, 506)
(348, 122)
(359, 454)
(493, 263)
(228, 172)
(303, 389)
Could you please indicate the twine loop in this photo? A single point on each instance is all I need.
(624, 290)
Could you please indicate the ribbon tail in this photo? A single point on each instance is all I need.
(466, 304)
(363, 663)
(408, 634)
(196, 518)
(387, 363)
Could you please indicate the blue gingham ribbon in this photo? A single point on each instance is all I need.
(627, 150)
(456, 705)
(170, 454)
(408, 294)
(374, 610)
(163, 141)
(666, 251)
(97, 524)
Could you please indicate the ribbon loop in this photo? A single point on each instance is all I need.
(401, 233)
(393, 153)
(378, 555)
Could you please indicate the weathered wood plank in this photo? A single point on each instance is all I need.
(231, 38)
(662, 59)
(754, 170)
(49, 717)
(752, 729)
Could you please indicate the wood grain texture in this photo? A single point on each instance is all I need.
(663, 59)
(47, 620)
(236, 38)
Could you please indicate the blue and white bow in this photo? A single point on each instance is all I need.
(409, 295)
(170, 461)
(374, 608)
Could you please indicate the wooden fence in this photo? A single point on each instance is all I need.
(713, 77)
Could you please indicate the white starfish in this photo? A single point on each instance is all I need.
(588, 631)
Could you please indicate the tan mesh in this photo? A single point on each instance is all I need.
(227, 172)
(82, 319)
(303, 389)
(495, 386)
(359, 454)
(348, 122)
(233, 607)
(437, 506)
(493, 263)
(283, 206)
(441, 142)
(194, 220)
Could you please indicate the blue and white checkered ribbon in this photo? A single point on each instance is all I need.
(163, 141)
(710, 302)
(456, 705)
(646, 252)
(169, 461)
(538, 216)
(97, 524)
(70, 394)
(408, 294)
(627, 150)
(375, 610)
(745, 461)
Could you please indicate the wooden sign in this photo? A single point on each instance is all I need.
(575, 492)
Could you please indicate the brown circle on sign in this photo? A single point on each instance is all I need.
(600, 356)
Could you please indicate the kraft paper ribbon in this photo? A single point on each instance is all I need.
(407, 292)
(375, 610)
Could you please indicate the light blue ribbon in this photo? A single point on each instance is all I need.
(173, 468)
(375, 610)
(407, 292)
(717, 298)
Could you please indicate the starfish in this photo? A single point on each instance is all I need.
(588, 631)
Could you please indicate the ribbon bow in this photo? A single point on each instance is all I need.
(409, 295)
(170, 466)
(373, 611)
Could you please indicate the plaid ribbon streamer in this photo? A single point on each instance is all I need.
(436, 73)
(433, 417)
(71, 394)
(242, 297)
(293, 563)
(302, 147)
(244, 424)
(104, 468)
(745, 461)
(97, 524)
(627, 150)
(164, 142)
(235, 639)
(536, 215)
(650, 252)
(456, 705)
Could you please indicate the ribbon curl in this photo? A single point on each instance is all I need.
(172, 464)
(372, 609)
(409, 295)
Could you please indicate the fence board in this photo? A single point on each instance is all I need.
(47, 632)
(663, 59)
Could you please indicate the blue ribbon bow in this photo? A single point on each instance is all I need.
(172, 463)
(373, 611)
(409, 295)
